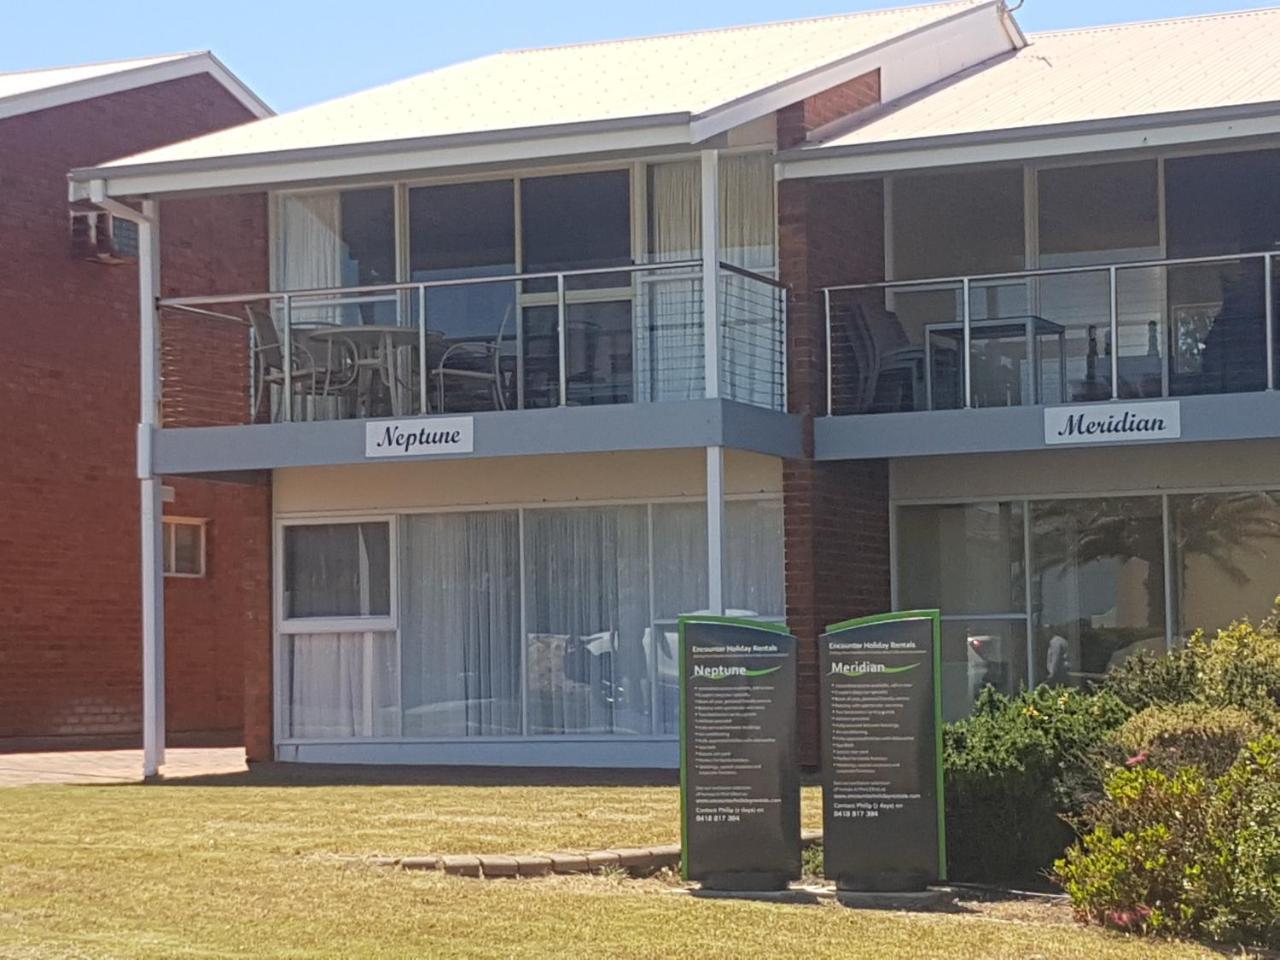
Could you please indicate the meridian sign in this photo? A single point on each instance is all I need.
(739, 772)
(1113, 422)
(882, 819)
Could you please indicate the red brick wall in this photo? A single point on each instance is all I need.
(796, 121)
(69, 579)
(836, 513)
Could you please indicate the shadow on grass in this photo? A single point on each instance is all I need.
(343, 775)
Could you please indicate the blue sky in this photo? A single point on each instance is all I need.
(295, 52)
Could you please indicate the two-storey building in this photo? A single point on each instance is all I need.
(798, 321)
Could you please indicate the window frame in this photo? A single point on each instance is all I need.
(356, 624)
(169, 547)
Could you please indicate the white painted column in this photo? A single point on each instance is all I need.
(711, 328)
(151, 512)
(715, 530)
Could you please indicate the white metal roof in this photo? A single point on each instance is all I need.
(679, 76)
(26, 91)
(1099, 74)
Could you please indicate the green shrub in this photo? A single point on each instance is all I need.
(1184, 854)
(1238, 667)
(1009, 771)
(1184, 735)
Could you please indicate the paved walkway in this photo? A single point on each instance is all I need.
(114, 766)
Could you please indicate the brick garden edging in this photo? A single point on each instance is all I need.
(637, 861)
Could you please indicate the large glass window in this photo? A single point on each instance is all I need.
(951, 224)
(1225, 550)
(595, 630)
(460, 624)
(458, 231)
(337, 570)
(587, 608)
(337, 238)
(576, 222)
(968, 561)
(1097, 585)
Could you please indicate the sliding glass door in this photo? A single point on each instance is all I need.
(546, 621)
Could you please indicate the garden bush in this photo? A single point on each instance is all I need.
(1008, 771)
(1179, 735)
(1183, 853)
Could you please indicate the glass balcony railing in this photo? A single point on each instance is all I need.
(1165, 328)
(610, 335)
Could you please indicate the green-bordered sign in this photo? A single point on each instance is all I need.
(739, 772)
(880, 697)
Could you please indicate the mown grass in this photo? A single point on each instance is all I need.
(264, 872)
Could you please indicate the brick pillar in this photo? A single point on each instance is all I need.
(836, 513)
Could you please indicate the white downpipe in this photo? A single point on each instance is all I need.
(151, 512)
(715, 530)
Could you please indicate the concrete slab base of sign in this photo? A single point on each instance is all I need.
(935, 898)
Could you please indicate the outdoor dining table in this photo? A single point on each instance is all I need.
(378, 348)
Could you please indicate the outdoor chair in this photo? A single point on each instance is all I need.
(474, 363)
(326, 371)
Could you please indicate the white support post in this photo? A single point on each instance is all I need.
(715, 530)
(711, 270)
(151, 512)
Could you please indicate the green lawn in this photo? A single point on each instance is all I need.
(262, 871)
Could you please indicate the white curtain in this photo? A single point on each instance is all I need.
(669, 330)
(750, 311)
(669, 333)
(342, 685)
(587, 610)
(754, 571)
(308, 251)
(460, 624)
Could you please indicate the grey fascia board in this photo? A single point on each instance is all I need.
(559, 430)
(1234, 416)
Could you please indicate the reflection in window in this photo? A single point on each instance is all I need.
(962, 558)
(1097, 585)
(981, 653)
(1226, 558)
(340, 686)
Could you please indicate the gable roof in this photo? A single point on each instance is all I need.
(26, 91)
(681, 79)
(1112, 77)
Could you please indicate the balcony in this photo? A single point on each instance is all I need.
(1121, 331)
(583, 338)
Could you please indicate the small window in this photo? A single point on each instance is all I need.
(337, 570)
(183, 547)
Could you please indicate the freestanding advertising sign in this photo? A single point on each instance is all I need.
(739, 772)
(882, 797)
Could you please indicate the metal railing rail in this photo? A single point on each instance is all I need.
(966, 283)
(409, 294)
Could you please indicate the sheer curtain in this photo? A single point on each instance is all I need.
(670, 331)
(754, 571)
(342, 685)
(460, 624)
(308, 251)
(587, 609)
(750, 362)
(669, 338)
